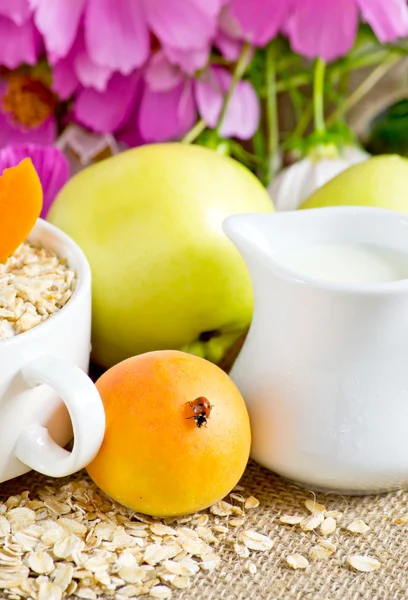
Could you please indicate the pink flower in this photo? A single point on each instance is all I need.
(50, 163)
(20, 41)
(89, 40)
(26, 112)
(318, 28)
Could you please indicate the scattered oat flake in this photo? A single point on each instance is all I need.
(336, 514)
(297, 561)
(251, 502)
(206, 534)
(195, 547)
(328, 545)
(20, 517)
(49, 591)
(72, 526)
(363, 563)
(319, 553)
(160, 591)
(62, 575)
(328, 526)
(186, 566)
(291, 519)
(251, 568)
(255, 541)
(220, 529)
(87, 593)
(222, 509)
(242, 551)
(236, 522)
(210, 562)
(160, 529)
(181, 582)
(58, 508)
(237, 497)
(40, 562)
(312, 522)
(357, 526)
(67, 546)
(314, 507)
(4, 526)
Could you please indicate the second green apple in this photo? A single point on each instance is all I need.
(381, 181)
(164, 273)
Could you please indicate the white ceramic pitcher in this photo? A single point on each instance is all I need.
(324, 369)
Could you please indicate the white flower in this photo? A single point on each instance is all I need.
(294, 184)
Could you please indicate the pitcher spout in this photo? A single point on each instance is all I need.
(248, 235)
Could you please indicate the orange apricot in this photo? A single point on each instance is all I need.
(155, 458)
(21, 199)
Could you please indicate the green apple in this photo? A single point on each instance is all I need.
(381, 181)
(164, 273)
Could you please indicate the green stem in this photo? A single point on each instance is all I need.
(271, 113)
(303, 79)
(194, 132)
(237, 75)
(303, 122)
(363, 88)
(318, 96)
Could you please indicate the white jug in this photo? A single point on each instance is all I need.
(324, 369)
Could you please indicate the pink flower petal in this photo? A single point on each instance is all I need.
(323, 29)
(64, 78)
(130, 133)
(50, 163)
(58, 21)
(228, 46)
(242, 117)
(260, 20)
(91, 75)
(389, 20)
(19, 44)
(17, 10)
(160, 75)
(166, 115)
(210, 7)
(105, 112)
(77, 68)
(188, 61)
(12, 134)
(116, 34)
(180, 24)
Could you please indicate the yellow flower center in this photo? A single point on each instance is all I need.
(28, 101)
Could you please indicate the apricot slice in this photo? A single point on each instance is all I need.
(21, 198)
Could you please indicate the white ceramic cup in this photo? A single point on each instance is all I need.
(45, 394)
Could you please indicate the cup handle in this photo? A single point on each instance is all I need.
(35, 447)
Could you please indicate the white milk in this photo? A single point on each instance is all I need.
(346, 263)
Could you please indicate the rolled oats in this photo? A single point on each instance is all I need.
(312, 522)
(255, 541)
(314, 507)
(363, 563)
(357, 526)
(297, 561)
(34, 284)
(291, 519)
(328, 526)
(251, 502)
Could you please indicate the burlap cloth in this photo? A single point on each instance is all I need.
(387, 541)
